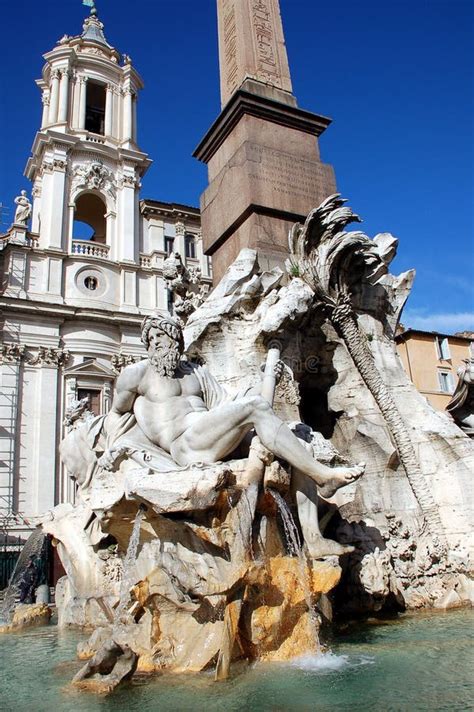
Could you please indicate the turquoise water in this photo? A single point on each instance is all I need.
(415, 663)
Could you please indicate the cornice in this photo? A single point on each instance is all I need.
(246, 103)
(62, 311)
(175, 210)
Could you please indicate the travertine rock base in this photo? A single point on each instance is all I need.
(277, 623)
(27, 615)
(274, 624)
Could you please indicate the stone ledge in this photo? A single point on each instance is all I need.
(243, 103)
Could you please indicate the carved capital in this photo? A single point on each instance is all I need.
(55, 74)
(47, 356)
(12, 353)
(180, 229)
(128, 181)
(46, 167)
(120, 360)
(59, 165)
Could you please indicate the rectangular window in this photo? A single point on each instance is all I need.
(190, 246)
(169, 245)
(95, 107)
(442, 348)
(446, 383)
(93, 397)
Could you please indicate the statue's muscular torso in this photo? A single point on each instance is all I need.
(163, 406)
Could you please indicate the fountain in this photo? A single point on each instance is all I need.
(174, 553)
(18, 589)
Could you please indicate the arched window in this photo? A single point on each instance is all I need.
(190, 246)
(89, 219)
(95, 107)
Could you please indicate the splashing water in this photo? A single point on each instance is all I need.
(291, 532)
(329, 662)
(295, 548)
(128, 565)
(32, 547)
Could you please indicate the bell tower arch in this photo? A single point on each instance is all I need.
(85, 154)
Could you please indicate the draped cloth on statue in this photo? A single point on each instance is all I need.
(82, 448)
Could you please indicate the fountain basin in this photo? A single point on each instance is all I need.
(417, 662)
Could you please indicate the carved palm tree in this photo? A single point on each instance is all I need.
(331, 261)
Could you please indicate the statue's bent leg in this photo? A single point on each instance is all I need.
(212, 435)
(306, 496)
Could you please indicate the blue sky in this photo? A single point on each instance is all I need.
(394, 75)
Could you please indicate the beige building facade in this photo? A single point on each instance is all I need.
(432, 360)
(80, 266)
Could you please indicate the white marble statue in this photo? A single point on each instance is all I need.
(23, 210)
(461, 405)
(180, 409)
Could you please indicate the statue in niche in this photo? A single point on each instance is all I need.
(185, 285)
(461, 405)
(23, 210)
(170, 414)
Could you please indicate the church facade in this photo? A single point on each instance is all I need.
(81, 265)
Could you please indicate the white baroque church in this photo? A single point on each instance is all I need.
(76, 284)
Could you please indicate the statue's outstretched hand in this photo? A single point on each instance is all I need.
(110, 457)
(277, 371)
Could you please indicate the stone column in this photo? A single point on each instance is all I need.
(66, 484)
(109, 99)
(36, 193)
(107, 396)
(82, 101)
(134, 118)
(203, 263)
(45, 100)
(10, 410)
(63, 96)
(179, 239)
(116, 113)
(127, 115)
(53, 203)
(110, 217)
(70, 232)
(54, 97)
(70, 388)
(126, 221)
(41, 490)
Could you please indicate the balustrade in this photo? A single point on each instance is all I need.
(90, 249)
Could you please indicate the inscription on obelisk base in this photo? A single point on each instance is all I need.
(262, 153)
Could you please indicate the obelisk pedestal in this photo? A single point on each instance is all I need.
(263, 160)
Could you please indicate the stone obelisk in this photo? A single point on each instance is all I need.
(262, 152)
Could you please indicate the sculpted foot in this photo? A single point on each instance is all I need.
(318, 547)
(340, 477)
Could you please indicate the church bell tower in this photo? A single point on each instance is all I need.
(86, 165)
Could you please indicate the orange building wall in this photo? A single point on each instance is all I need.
(419, 356)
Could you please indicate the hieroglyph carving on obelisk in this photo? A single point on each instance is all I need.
(251, 45)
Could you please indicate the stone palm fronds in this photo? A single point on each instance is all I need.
(331, 262)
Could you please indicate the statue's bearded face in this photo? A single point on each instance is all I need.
(163, 352)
